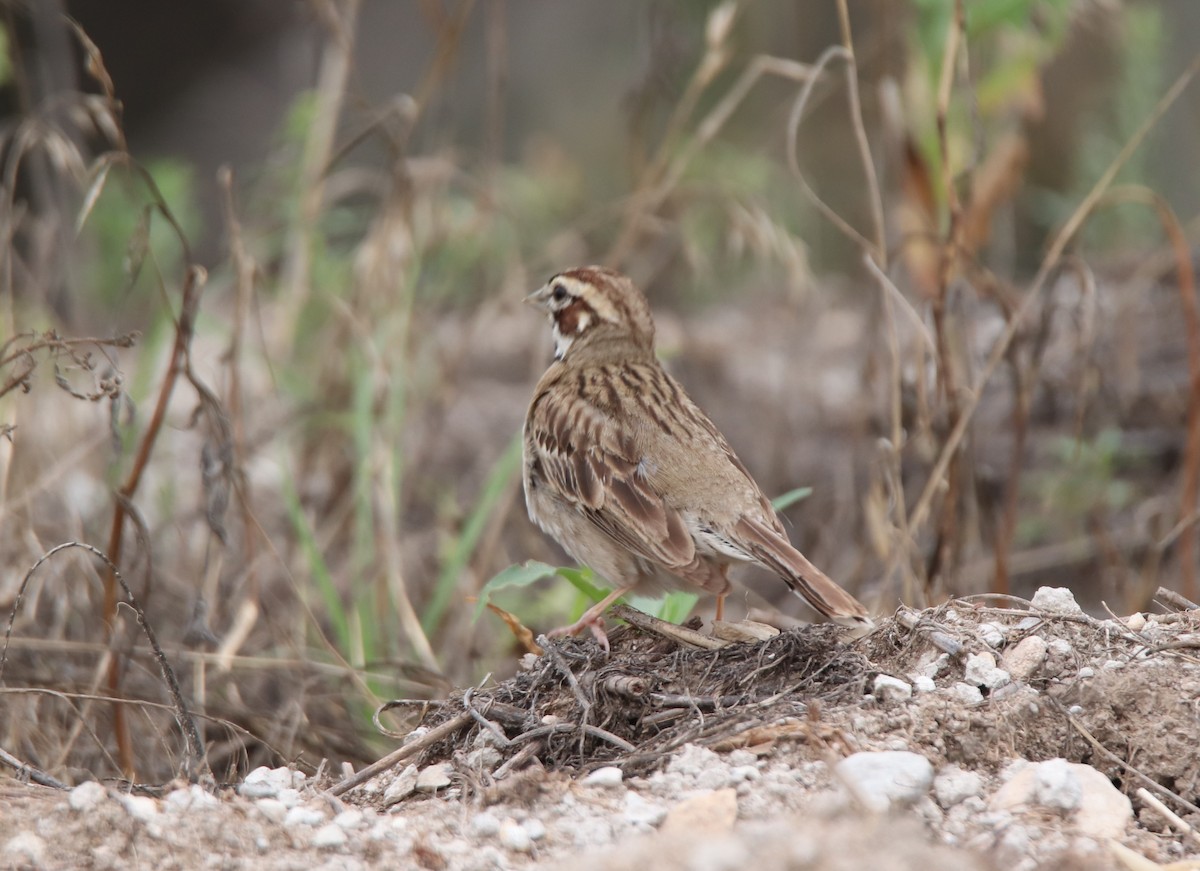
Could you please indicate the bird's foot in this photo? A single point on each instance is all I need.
(589, 621)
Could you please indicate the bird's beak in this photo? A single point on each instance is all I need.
(539, 297)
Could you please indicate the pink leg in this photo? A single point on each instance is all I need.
(592, 619)
(721, 606)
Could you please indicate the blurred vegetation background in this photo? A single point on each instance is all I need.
(319, 219)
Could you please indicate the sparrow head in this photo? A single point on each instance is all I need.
(591, 309)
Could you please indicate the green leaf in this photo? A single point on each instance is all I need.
(791, 497)
(513, 577)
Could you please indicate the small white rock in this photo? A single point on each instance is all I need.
(1055, 785)
(642, 813)
(264, 782)
(890, 689)
(483, 825)
(404, 785)
(609, 776)
(981, 671)
(1055, 600)
(923, 684)
(966, 693)
(141, 807)
(303, 816)
(329, 837)
(954, 785)
(891, 778)
(86, 796)
(1024, 660)
(993, 634)
(289, 797)
(514, 837)
(434, 777)
(189, 798)
(1087, 671)
(349, 819)
(273, 809)
(1060, 647)
(535, 828)
(1136, 622)
(1113, 665)
(25, 850)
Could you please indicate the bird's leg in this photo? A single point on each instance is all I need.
(593, 619)
(721, 606)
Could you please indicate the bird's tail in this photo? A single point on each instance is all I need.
(773, 551)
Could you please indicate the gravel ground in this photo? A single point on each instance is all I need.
(987, 738)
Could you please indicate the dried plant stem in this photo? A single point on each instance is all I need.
(1186, 280)
(340, 18)
(1049, 263)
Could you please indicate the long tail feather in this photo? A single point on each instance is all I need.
(774, 552)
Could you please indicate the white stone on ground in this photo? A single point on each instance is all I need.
(609, 776)
(434, 777)
(401, 787)
(641, 813)
(953, 785)
(514, 837)
(981, 671)
(141, 807)
(1024, 660)
(189, 798)
(484, 825)
(993, 634)
(890, 689)
(1055, 600)
(1055, 786)
(329, 837)
(87, 796)
(1088, 799)
(303, 816)
(264, 782)
(24, 850)
(966, 693)
(923, 684)
(887, 779)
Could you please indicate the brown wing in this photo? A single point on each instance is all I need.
(586, 457)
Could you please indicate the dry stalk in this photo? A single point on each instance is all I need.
(1049, 263)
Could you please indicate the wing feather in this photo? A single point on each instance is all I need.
(590, 462)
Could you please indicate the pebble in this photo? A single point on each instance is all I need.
(484, 825)
(887, 779)
(1024, 660)
(981, 671)
(514, 837)
(351, 818)
(993, 634)
(303, 816)
(1087, 671)
(641, 813)
(1056, 600)
(189, 798)
(954, 785)
(86, 796)
(890, 689)
(923, 684)
(434, 777)
(1055, 786)
(329, 837)
(1136, 622)
(264, 782)
(609, 777)
(535, 828)
(141, 807)
(404, 785)
(273, 809)
(1085, 796)
(966, 693)
(24, 850)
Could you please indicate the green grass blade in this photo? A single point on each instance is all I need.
(464, 546)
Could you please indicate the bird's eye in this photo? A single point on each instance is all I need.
(559, 293)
